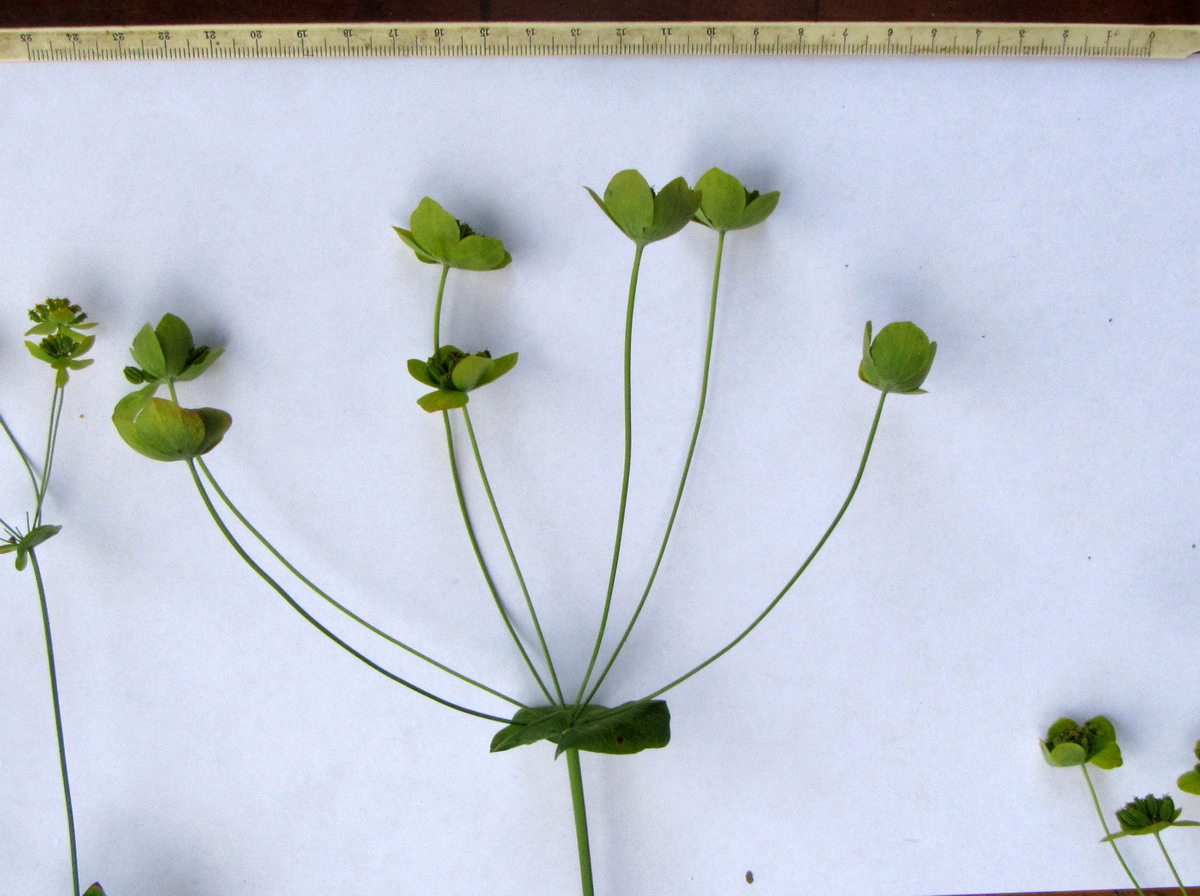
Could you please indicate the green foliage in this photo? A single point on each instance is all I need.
(1148, 815)
(1068, 743)
(436, 237)
(643, 215)
(628, 728)
(1189, 782)
(23, 544)
(727, 205)
(453, 373)
(168, 354)
(162, 430)
(898, 359)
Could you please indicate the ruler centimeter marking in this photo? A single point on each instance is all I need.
(366, 40)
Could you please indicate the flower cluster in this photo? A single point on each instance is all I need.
(62, 346)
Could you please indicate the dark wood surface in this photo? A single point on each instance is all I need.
(58, 13)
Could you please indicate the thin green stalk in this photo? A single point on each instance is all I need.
(487, 487)
(437, 308)
(262, 539)
(687, 465)
(628, 377)
(21, 454)
(279, 589)
(1167, 856)
(862, 466)
(1107, 832)
(483, 567)
(56, 407)
(58, 725)
(466, 515)
(581, 826)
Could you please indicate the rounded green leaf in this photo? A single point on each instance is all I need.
(1064, 755)
(629, 202)
(674, 206)
(469, 371)
(898, 359)
(407, 237)
(162, 430)
(758, 210)
(479, 253)
(500, 366)
(442, 400)
(175, 339)
(1189, 782)
(148, 354)
(419, 371)
(434, 229)
(722, 200)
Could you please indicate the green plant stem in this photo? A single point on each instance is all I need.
(58, 724)
(581, 825)
(616, 555)
(687, 466)
(437, 308)
(537, 627)
(1107, 832)
(466, 514)
(262, 539)
(1170, 864)
(862, 466)
(21, 454)
(282, 592)
(56, 407)
(483, 567)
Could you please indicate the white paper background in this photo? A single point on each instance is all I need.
(1023, 546)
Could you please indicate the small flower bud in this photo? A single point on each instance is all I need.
(1095, 741)
(57, 316)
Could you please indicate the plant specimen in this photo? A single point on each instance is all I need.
(1189, 782)
(61, 325)
(896, 360)
(1149, 815)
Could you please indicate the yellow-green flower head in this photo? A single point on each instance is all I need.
(57, 316)
(168, 354)
(898, 359)
(727, 205)
(1068, 743)
(63, 351)
(437, 237)
(646, 216)
(162, 430)
(1148, 814)
(453, 373)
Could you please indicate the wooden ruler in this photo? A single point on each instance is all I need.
(369, 40)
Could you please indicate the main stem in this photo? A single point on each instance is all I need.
(612, 575)
(58, 724)
(687, 466)
(1107, 832)
(581, 827)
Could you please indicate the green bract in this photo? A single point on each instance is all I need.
(642, 214)
(23, 544)
(168, 354)
(437, 237)
(454, 373)
(162, 430)
(1148, 815)
(57, 316)
(1095, 741)
(62, 352)
(727, 205)
(1189, 782)
(898, 359)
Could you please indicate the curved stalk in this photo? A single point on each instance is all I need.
(616, 555)
(687, 466)
(58, 724)
(262, 539)
(487, 487)
(282, 592)
(56, 407)
(1107, 832)
(1170, 864)
(437, 308)
(862, 466)
(21, 454)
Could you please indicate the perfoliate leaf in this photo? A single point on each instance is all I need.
(758, 210)
(500, 366)
(148, 354)
(419, 371)
(162, 430)
(479, 253)
(898, 359)
(468, 372)
(629, 202)
(529, 726)
(434, 229)
(628, 728)
(674, 207)
(407, 237)
(722, 200)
